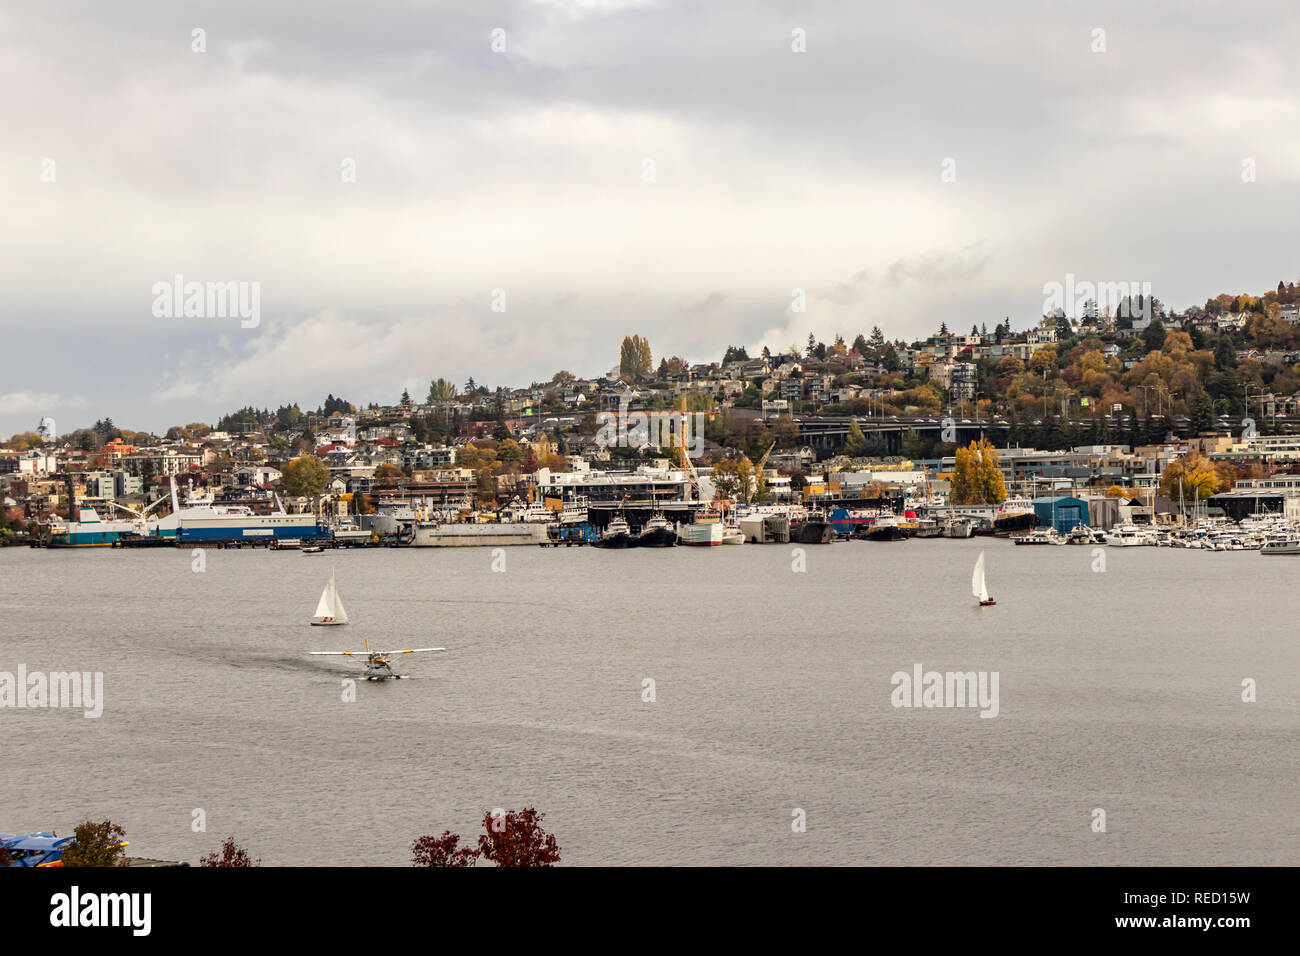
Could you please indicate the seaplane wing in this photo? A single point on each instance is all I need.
(415, 650)
(343, 653)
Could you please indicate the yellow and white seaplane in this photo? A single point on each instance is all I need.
(377, 665)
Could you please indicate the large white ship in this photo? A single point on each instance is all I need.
(202, 521)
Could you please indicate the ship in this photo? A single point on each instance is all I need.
(90, 530)
(617, 535)
(203, 521)
(657, 532)
(1016, 514)
(491, 534)
(705, 531)
(885, 527)
(815, 528)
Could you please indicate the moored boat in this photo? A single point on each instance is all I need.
(885, 527)
(657, 532)
(617, 535)
(1015, 514)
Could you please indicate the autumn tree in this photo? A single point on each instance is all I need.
(442, 851)
(96, 844)
(304, 477)
(232, 854)
(1195, 476)
(387, 473)
(508, 450)
(513, 838)
(977, 475)
(734, 478)
(516, 839)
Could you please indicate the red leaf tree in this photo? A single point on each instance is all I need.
(510, 838)
(442, 851)
(516, 838)
(232, 854)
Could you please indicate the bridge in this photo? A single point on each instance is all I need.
(826, 434)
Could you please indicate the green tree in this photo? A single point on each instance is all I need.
(855, 444)
(441, 390)
(734, 478)
(1201, 414)
(96, 844)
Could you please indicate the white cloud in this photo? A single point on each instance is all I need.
(23, 402)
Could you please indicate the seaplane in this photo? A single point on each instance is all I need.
(377, 665)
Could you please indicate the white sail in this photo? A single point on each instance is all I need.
(977, 580)
(324, 609)
(340, 612)
(330, 608)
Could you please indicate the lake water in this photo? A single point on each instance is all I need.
(1118, 690)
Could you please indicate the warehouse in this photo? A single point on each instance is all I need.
(1063, 513)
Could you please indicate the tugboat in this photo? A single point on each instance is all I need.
(815, 528)
(656, 533)
(617, 534)
(886, 528)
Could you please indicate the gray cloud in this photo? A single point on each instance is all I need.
(522, 170)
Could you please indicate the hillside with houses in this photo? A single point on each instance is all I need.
(1136, 377)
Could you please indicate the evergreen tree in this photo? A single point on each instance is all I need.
(1201, 414)
(855, 445)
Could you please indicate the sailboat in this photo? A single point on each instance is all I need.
(330, 610)
(977, 585)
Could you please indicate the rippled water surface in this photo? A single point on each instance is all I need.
(1119, 690)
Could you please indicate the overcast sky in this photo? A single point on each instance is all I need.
(526, 171)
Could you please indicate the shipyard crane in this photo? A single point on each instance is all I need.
(138, 512)
(686, 459)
